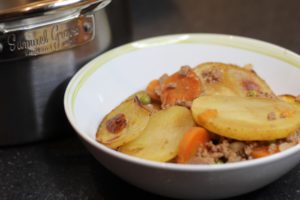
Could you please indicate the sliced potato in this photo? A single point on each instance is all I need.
(123, 124)
(231, 80)
(290, 99)
(246, 118)
(160, 139)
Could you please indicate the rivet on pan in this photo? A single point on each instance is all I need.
(87, 27)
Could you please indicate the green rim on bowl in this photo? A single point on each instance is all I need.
(216, 39)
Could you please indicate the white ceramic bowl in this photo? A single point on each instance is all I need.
(107, 80)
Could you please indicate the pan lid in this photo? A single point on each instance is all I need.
(20, 9)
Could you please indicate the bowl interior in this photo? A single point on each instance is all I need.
(107, 80)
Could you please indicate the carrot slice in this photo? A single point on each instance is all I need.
(261, 151)
(151, 89)
(180, 88)
(191, 141)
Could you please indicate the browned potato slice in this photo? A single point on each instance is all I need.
(231, 80)
(160, 139)
(290, 99)
(246, 118)
(123, 124)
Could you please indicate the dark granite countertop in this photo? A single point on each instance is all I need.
(62, 169)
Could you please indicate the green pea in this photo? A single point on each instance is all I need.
(252, 93)
(144, 98)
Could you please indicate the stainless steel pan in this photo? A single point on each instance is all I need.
(42, 44)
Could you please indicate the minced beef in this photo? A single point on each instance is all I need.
(223, 150)
(212, 75)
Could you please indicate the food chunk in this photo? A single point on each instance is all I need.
(123, 124)
(246, 118)
(160, 139)
(193, 139)
(231, 80)
(180, 88)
